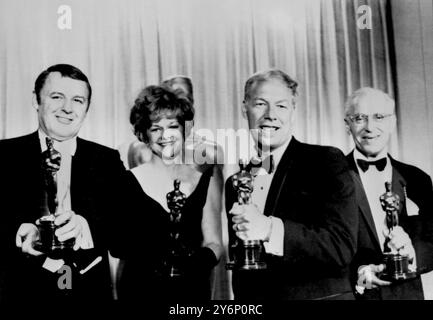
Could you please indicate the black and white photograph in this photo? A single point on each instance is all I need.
(211, 158)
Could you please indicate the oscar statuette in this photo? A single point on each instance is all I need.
(396, 264)
(48, 242)
(247, 254)
(178, 253)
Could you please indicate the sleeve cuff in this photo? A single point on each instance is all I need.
(275, 244)
(85, 238)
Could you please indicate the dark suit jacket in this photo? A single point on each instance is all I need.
(419, 189)
(95, 170)
(313, 193)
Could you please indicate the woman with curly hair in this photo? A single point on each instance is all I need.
(170, 239)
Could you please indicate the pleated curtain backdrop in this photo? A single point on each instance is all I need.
(125, 45)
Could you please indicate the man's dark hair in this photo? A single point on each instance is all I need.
(66, 70)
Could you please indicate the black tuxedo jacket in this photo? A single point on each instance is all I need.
(95, 171)
(313, 193)
(408, 182)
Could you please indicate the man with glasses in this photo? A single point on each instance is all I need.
(370, 120)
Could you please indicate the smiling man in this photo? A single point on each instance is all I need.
(61, 97)
(370, 120)
(302, 207)
(62, 105)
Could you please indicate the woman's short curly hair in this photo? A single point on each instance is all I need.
(155, 102)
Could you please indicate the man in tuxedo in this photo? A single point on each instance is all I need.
(370, 119)
(302, 207)
(86, 175)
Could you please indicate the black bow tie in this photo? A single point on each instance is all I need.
(364, 165)
(265, 163)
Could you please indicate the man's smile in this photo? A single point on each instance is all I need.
(64, 120)
(268, 128)
(370, 138)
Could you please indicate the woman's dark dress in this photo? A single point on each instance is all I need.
(142, 227)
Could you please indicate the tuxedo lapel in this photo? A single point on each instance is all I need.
(33, 140)
(351, 161)
(364, 207)
(81, 171)
(363, 204)
(28, 160)
(398, 185)
(31, 150)
(282, 171)
(33, 147)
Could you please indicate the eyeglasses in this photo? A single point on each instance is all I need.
(361, 118)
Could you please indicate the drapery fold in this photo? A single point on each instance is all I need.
(124, 46)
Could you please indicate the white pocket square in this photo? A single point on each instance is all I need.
(411, 208)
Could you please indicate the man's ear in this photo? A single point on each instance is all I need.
(347, 126)
(244, 109)
(393, 123)
(35, 102)
(293, 114)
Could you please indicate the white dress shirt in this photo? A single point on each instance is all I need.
(262, 182)
(373, 181)
(67, 149)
